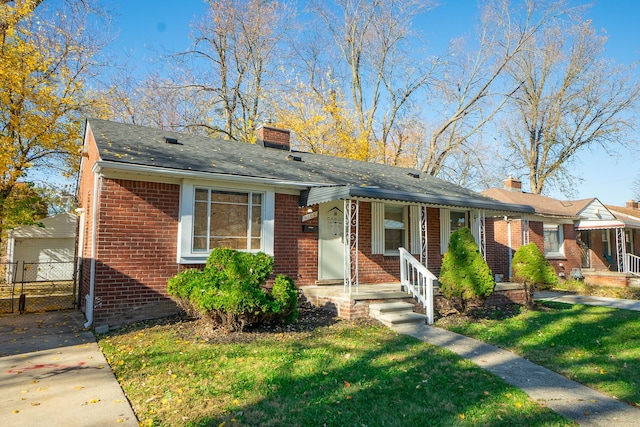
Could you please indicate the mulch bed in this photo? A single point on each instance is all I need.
(309, 319)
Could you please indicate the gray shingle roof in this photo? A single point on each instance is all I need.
(138, 145)
(542, 204)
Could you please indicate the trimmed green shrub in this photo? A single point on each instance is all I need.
(529, 265)
(465, 274)
(285, 298)
(230, 290)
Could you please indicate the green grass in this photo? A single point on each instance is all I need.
(340, 375)
(597, 346)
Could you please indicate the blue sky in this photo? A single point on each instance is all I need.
(145, 27)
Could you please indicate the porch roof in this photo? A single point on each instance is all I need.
(598, 224)
(324, 194)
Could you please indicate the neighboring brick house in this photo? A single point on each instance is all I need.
(154, 202)
(574, 235)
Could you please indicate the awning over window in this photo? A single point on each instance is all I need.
(598, 224)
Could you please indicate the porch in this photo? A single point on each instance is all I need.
(610, 278)
(352, 305)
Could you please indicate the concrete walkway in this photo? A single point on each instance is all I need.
(624, 304)
(53, 373)
(573, 400)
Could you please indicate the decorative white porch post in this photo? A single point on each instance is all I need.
(621, 248)
(351, 214)
(424, 255)
(525, 230)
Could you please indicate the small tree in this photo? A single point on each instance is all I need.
(532, 268)
(465, 274)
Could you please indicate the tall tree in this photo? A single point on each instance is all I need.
(570, 98)
(46, 55)
(374, 42)
(233, 59)
(471, 87)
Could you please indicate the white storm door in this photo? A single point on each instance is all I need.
(331, 241)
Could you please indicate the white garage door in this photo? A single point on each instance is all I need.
(54, 258)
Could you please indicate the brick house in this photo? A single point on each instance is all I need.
(580, 236)
(154, 202)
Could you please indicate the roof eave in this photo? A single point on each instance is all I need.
(104, 166)
(318, 195)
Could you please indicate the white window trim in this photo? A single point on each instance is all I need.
(185, 253)
(560, 228)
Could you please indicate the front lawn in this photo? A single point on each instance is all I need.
(343, 373)
(597, 346)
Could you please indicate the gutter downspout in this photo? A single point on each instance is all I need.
(89, 299)
(509, 245)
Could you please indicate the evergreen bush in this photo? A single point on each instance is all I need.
(529, 265)
(230, 290)
(465, 274)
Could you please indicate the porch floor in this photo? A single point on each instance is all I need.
(361, 292)
(354, 304)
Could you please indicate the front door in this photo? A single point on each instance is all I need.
(584, 242)
(331, 241)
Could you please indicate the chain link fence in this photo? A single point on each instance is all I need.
(8, 272)
(37, 286)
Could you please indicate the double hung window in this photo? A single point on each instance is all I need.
(553, 240)
(395, 230)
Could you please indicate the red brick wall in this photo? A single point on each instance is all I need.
(295, 251)
(572, 253)
(434, 258)
(536, 234)
(136, 250)
(373, 268)
(501, 244)
(597, 249)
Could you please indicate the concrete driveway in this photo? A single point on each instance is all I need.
(52, 372)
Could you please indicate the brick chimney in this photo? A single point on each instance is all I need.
(273, 137)
(513, 184)
(632, 204)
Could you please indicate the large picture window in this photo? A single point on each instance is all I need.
(229, 219)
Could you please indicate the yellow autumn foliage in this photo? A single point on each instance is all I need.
(43, 63)
(322, 123)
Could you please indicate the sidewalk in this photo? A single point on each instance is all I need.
(624, 304)
(575, 401)
(53, 373)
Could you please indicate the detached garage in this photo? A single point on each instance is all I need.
(44, 253)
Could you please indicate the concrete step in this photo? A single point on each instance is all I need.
(395, 313)
(389, 307)
(396, 318)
